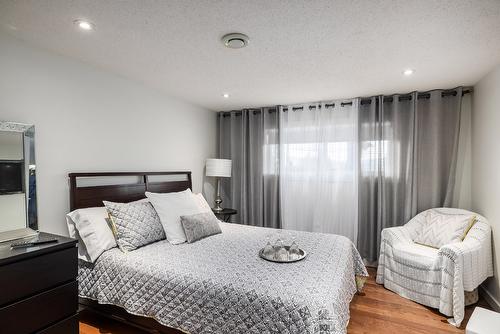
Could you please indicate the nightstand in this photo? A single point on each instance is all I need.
(39, 291)
(225, 214)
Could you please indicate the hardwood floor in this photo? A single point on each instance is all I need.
(377, 310)
(91, 323)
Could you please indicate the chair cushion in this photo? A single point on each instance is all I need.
(442, 229)
(415, 255)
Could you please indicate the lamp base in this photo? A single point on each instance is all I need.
(218, 202)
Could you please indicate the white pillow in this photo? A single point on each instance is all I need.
(442, 229)
(91, 226)
(202, 202)
(73, 233)
(170, 207)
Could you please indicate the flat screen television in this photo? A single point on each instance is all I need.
(11, 177)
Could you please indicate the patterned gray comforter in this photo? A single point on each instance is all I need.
(220, 285)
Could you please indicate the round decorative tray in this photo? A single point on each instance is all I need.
(302, 255)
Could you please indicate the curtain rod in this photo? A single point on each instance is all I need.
(419, 96)
(362, 101)
(386, 99)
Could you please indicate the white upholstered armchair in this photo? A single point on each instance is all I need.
(436, 277)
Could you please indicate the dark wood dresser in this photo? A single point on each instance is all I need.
(38, 288)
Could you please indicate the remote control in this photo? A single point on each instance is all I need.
(31, 243)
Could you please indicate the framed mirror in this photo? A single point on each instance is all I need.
(18, 200)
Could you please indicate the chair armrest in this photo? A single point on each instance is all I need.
(395, 235)
(466, 264)
(390, 237)
(474, 254)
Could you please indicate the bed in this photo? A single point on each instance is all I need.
(218, 284)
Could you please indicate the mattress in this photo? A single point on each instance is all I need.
(220, 284)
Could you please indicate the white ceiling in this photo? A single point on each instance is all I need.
(299, 51)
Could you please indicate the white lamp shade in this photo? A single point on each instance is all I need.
(218, 167)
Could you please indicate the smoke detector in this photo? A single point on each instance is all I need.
(235, 40)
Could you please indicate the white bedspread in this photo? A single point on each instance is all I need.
(220, 285)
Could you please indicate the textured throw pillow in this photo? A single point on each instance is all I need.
(135, 224)
(90, 227)
(441, 229)
(170, 208)
(200, 225)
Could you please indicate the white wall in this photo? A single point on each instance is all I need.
(87, 119)
(486, 163)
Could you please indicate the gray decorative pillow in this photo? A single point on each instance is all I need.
(134, 224)
(200, 225)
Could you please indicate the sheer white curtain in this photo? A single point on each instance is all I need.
(318, 167)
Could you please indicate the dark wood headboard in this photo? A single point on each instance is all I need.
(85, 196)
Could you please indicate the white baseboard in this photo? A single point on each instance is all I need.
(490, 299)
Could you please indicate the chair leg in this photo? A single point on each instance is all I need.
(471, 297)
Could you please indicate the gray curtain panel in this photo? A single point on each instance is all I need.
(408, 160)
(250, 139)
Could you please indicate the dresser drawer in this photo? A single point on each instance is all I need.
(28, 277)
(39, 311)
(66, 326)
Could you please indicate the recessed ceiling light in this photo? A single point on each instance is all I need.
(84, 25)
(408, 72)
(235, 40)
(225, 95)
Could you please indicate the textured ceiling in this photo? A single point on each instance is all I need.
(299, 50)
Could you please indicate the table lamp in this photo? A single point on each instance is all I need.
(218, 168)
